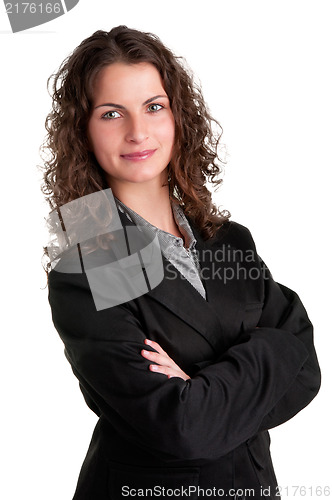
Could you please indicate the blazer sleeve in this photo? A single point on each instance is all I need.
(224, 404)
(283, 309)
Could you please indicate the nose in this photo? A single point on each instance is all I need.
(136, 130)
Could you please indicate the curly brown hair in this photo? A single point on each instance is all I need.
(71, 169)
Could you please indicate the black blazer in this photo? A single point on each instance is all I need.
(249, 352)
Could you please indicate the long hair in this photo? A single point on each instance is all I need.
(71, 169)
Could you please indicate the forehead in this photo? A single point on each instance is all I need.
(127, 81)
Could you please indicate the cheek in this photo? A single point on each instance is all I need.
(101, 141)
(94, 137)
(167, 132)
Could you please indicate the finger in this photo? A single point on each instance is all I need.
(156, 346)
(158, 358)
(163, 360)
(169, 372)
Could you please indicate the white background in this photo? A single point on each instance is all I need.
(265, 69)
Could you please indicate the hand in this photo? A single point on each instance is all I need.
(165, 364)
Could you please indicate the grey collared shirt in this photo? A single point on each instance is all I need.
(182, 256)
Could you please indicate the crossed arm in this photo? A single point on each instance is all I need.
(262, 381)
(293, 319)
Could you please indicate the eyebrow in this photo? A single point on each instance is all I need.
(119, 106)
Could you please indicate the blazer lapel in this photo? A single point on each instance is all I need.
(180, 297)
(225, 289)
(218, 318)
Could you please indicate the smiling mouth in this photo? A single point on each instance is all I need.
(141, 155)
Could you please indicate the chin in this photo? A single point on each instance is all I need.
(143, 177)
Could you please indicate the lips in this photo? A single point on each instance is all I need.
(140, 155)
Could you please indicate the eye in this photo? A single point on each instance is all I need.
(111, 115)
(153, 108)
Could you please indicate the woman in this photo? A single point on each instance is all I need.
(183, 344)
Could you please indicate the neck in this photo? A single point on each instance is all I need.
(152, 204)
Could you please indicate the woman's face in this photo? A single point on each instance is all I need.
(131, 129)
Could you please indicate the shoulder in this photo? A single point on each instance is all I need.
(233, 234)
(76, 312)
